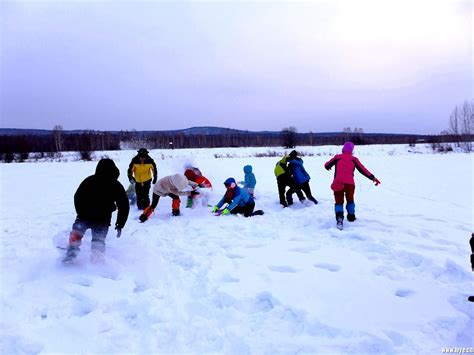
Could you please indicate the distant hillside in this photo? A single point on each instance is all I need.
(208, 131)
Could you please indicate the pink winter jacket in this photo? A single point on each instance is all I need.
(345, 164)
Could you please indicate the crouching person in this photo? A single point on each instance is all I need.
(173, 186)
(195, 175)
(95, 199)
(238, 201)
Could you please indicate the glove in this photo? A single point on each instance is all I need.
(377, 182)
(146, 214)
(132, 180)
(154, 180)
(225, 212)
(214, 209)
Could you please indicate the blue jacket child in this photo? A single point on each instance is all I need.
(300, 177)
(250, 180)
(238, 200)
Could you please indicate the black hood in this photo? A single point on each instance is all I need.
(106, 168)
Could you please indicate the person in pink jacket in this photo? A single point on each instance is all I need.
(343, 184)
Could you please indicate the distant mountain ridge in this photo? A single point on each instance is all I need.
(204, 130)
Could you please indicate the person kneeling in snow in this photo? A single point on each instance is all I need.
(95, 200)
(195, 175)
(343, 183)
(238, 200)
(173, 186)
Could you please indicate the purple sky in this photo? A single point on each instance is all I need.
(386, 66)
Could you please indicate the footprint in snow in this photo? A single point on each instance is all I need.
(235, 256)
(303, 250)
(228, 278)
(404, 292)
(329, 267)
(288, 269)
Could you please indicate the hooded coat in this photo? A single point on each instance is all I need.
(173, 184)
(101, 194)
(250, 180)
(297, 170)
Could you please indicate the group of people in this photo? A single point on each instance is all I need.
(101, 194)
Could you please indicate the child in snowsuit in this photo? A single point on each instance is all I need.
(96, 198)
(140, 172)
(173, 186)
(249, 180)
(283, 177)
(300, 178)
(343, 183)
(195, 175)
(238, 200)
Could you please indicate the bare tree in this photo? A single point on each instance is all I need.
(461, 125)
(58, 139)
(289, 137)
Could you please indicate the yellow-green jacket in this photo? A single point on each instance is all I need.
(142, 172)
(281, 167)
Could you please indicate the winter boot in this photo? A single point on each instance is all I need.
(75, 239)
(471, 299)
(71, 254)
(338, 208)
(189, 202)
(175, 212)
(350, 207)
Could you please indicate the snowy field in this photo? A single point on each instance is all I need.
(394, 281)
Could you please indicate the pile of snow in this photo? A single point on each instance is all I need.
(394, 281)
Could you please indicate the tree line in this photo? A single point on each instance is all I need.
(460, 130)
(103, 140)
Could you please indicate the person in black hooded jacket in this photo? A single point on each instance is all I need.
(96, 198)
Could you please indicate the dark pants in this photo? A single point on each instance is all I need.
(99, 233)
(306, 189)
(472, 251)
(142, 189)
(283, 181)
(246, 210)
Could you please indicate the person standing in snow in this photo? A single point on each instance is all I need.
(142, 172)
(173, 186)
(96, 198)
(238, 201)
(343, 183)
(249, 180)
(195, 175)
(300, 178)
(283, 176)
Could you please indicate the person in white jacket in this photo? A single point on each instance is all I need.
(173, 186)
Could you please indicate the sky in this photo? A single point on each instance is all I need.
(320, 66)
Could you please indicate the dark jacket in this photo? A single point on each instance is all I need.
(297, 171)
(101, 194)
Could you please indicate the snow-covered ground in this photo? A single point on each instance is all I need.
(394, 281)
